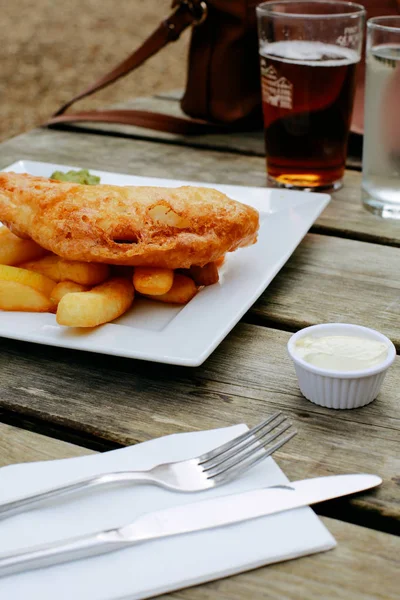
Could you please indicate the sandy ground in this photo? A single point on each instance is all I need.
(51, 49)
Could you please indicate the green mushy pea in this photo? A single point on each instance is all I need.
(82, 176)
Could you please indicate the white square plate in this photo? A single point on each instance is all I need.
(184, 335)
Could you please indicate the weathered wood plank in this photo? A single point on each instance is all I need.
(336, 280)
(344, 216)
(364, 565)
(247, 377)
(18, 445)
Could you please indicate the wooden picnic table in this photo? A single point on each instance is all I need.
(58, 403)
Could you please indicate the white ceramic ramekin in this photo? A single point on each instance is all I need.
(336, 389)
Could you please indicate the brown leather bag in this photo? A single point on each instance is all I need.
(223, 82)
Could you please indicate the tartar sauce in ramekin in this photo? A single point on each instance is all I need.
(341, 352)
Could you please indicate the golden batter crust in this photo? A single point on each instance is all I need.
(138, 226)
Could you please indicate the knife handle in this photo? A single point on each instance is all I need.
(55, 553)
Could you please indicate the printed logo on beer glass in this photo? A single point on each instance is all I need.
(350, 37)
(276, 91)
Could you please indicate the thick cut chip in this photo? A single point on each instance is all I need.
(207, 275)
(182, 291)
(19, 297)
(34, 280)
(66, 287)
(152, 281)
(60, 269)
(14, 250)
(100, 305)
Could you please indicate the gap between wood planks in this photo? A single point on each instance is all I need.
(353, 235)
(57, 432)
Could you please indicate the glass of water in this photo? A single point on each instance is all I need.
(381, 154)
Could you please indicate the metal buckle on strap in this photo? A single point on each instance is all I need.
(197, 8)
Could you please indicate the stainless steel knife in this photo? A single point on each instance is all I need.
(196, 516)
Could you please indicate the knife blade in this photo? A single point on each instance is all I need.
(188, 518)
(235, 508)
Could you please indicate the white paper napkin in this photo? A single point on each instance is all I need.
(153, 567)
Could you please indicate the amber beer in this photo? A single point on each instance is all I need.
(308, 91)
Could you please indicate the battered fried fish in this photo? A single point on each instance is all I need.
(139, 226)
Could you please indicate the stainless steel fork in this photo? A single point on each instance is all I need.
(211, 469)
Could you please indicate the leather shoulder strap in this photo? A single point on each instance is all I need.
(143, 118)
(169, 30)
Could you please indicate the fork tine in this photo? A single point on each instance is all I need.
(237, 440)
(242, 456)
(214, 462)
(232, 471)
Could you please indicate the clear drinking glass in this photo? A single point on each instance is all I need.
(309, 51)
(381, 152)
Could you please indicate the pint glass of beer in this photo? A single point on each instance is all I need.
(309, 51)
